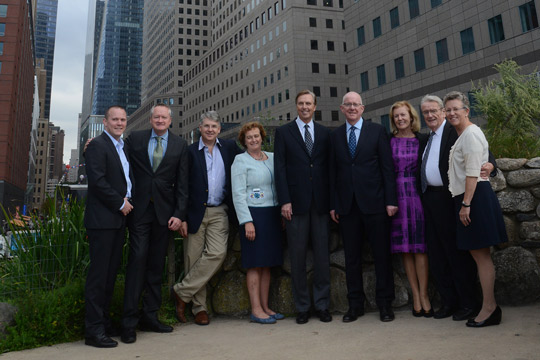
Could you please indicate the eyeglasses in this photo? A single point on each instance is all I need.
(354, 105)
(448, 111)
(432, 112)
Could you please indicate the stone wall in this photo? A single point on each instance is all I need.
(517, 262)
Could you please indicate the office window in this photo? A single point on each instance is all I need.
(414, 9)
(333, 91)
(314, 45)
(2, 29)
(385, 121)
(335, 115)
(377, 27)
(1, 70)
(328, 3)
(442, 51)
(3, 10)
(317, 91)
(329, 24)
(496, 30)
(312, 22)
(419, 60)
(399, 67)
(394, 18)
(381, 75)
(330, 45)
(317, 115)
(312, 2)
(315, 68)
(364, 81)
(1, 48)
(467, 41)
(529, 19)
(361, 35)
(331, 68)
(435, 3)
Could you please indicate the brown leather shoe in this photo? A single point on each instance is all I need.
(202, 318)
(180, 307)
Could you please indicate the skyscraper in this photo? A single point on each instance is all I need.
(117, 76)
(44, 37)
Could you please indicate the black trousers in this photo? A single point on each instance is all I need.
(355, 228)
(454, 270)
(105, 247)
(148, 242)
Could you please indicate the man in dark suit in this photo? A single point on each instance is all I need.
(107, 205)
(454, 270)
(301, 170)
(210, 208)
(363, 196)
(160, 165)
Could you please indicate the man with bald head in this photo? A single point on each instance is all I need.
(362, 198)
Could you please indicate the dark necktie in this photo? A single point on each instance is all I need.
(423, 174)
(352, 140)
(308, 139)
(158, 154)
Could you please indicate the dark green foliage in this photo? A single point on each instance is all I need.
(511, 105)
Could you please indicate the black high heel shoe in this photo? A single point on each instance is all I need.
(493, 319)
(419, 313)
(429, 313)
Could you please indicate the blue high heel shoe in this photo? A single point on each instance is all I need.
(278, 316)
(257, 320)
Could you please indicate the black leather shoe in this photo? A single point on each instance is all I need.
(154, 326)
(493, 319)
(352, 314)
(386, 314)
(100, 341)
(128, 336)
(302, 317)
(324, 315)
(444, 312)
(464, 314)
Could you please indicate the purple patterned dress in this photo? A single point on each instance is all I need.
(407, 229)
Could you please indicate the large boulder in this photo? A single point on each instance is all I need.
(281, 297)
(518, 276)
(498, 182)
(337, 258)
(530, 230)
(230, 296)
(535, 191)
(338, 291)
(534, 163)
(523, 178)
(516, 201)
(7, 316)
(506, 164)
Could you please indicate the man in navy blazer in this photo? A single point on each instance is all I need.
(363, 196)
(160, 165)
(210, 208)
(301, 170)
(107, 205)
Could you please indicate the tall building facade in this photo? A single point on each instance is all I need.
(16, 98)
(45, 35)
(117, 76)
(405, 49)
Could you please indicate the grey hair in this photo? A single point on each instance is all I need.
(457, 95)
(210, 115)
(432, 98)
(160, 105)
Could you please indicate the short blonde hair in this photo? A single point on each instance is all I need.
(415, 120)
(250, 126)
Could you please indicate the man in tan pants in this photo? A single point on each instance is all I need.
(209, 206)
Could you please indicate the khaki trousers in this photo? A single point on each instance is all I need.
(204, 252)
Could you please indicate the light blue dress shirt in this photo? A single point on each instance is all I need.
(357, 131)
(301, 126)
(215, 169)
(119, 146)
(152, 145)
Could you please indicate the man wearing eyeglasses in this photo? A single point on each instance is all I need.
(362, 198)
(454, 270)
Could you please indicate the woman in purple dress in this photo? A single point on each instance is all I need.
(407, 229)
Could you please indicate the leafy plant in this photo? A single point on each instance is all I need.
(511, 105)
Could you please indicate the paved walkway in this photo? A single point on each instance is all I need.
(517, 338)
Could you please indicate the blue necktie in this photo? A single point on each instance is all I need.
(308, 139)
(352, 140)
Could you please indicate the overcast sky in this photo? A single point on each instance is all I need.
(67, 82)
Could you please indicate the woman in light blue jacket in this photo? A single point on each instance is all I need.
(256, 205)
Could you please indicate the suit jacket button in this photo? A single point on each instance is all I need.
(204, 204)
(311, 165)
(206, 190)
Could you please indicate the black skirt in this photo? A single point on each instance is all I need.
(266, 249)
(487, 224)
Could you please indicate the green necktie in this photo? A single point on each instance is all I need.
(158, 154)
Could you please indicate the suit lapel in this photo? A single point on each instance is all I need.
(145, 149)
(112, 148)
(444, 141)
(364, 130)
(295, 132)
(202, 164)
